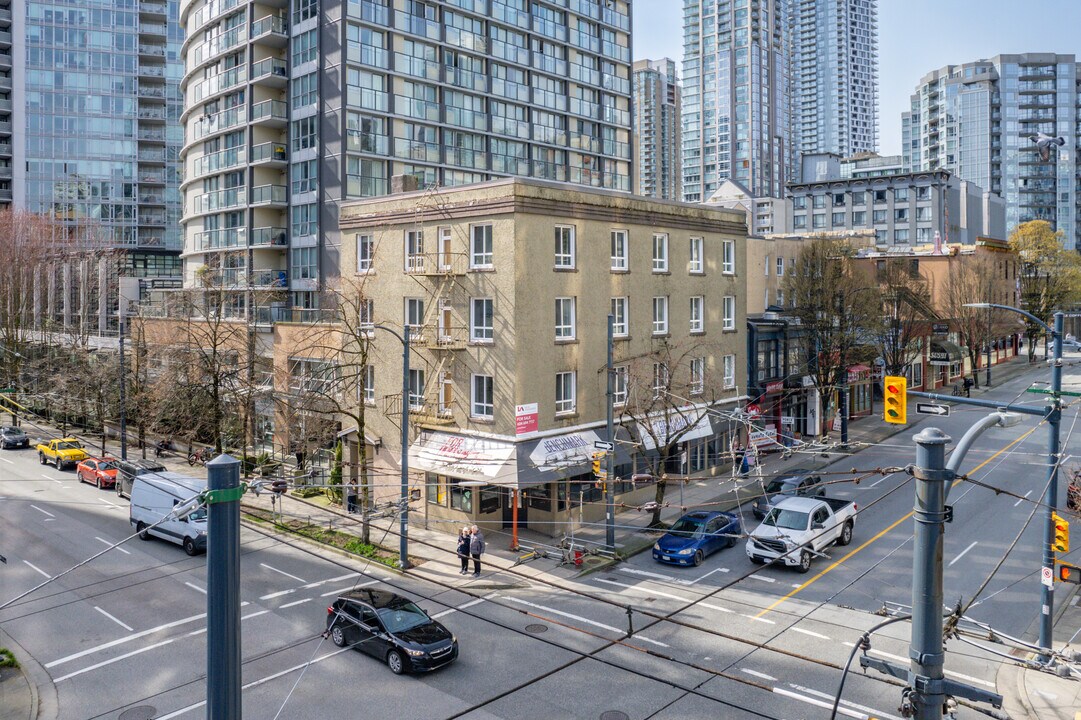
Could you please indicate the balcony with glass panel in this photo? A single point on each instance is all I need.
(152, 71)
(510, 90)
(270, 237)
(151, 176)
(153, 10)
(366, 142)
(585, 41)
(550, 28)
(223, 239)
(151, 92)
(272, 72)
(151, 197)
(417, 67)
(466, 158)
(151, 156)
(615, 51)
(365, 186)
(152, 218)
(415, 109)
(585, 75)
(151, 28)
(407, 149)
(366, 98)
(470, 119)
(5, 150)
(466, 40)
(585, 108)
(550, 64)
(218, 161)
(217, 84)
(5, 80)
(219, 200)
(271, 31)
(509, 15)
(270, 113)
(418, 26)
(510, 165)
(269, 196)
(467, 79)
(509, 52)
(215, 46)
(270, 154)
(616, 84)
(373, 11)
(370, 55)
(5, 39)
(510, 128)
(146, 50)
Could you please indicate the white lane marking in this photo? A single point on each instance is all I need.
(268, 596)
(110, 661)
(49, 477)
(295, 602)
(820, 636)
(111, 504)
(43, 511)
(469, 604)
(671, 578)
(855, 706)
(759, 674)
(345, 590)
(254, 614)
(129, 628)
(195, 587)
(881, 479)
(282, 572)
(948, 672)
(1022, 499)
(316, 584)
(651, 591)
(820, 703)
(579, 618)
(761, 620)
(763, 578)
(963, 553)
(35, 567)
(268, 678)
(109, 543)
(7, 461)
(127, 638)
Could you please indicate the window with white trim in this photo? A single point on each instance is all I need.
(416, 389)
(566, 401)
(728, 365)
(698, 375)
(620, 251)
(780, 266)
(483, 397)
(564, 246)
(369, 385)
(480, 246)
(728, 266)
(414, 315)
(779, 293)
(365, 251)
(660, 315)
(660, 252)
(698, 304)
(729, 304)
(619, 385)
(414, 250)
(696, 264)
(660, 379)
(619, 317)
(367, 317)
(481, 320)
(565, 318)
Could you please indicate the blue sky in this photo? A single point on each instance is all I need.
(914, 37)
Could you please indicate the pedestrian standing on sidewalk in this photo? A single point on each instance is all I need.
(464, 537)
(740, 458)
(476, 548)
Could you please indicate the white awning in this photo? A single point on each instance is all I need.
(663, 427)
(562, 451)
(465, 458)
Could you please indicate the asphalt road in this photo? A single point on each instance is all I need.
(727, 639)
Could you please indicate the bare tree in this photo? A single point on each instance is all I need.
(973, 279)
(907, 310)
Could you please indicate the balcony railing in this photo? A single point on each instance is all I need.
(273, 109)
(262, 152)
(268, 24)
(270, 66)
(269, 237)
(220, 239)
(268, 195)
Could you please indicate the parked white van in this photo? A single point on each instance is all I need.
(154, 495)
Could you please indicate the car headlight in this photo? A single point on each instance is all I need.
(685, 551)
(415, 653)
(657, 546)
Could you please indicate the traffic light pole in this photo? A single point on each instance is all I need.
(609, 490)
(223, 690)
(1054, 418)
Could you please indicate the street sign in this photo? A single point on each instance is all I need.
(940, 328)
(932, 409)
(1047, 576)
(604, 445)
(788, 420)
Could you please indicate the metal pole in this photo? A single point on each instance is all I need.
(988, 383)
(927, 653)
(223, 593)
(123, 391)
(403, 546)
(1054, 417)
(609, 488)
(844, 406)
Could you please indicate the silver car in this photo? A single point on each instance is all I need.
(796, 482)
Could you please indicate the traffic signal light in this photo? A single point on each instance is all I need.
(1061, 543)
(895, 408)
(598, 470)
(1069, 574)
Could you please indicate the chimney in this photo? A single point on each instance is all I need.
(404, 184)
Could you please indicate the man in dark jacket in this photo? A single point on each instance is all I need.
(476, 548)
(465, 537)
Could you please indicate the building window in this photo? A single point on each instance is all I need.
(818, 202)
(416, 389)
(878, 216)
(799, 203)
(780, 266)
(697, 311)
(838, 199)
(914, 373)
(566, 400)
(481, 320)
(365, 250)
(414, 315)
(305, 90)
(483, 405)
(728, 247)
(858, 197)
(619, 317)
(414, 250)
(565, 318)
(780, 297)
(304, 10)
(461, 497)
(728, 365)
(900, 214)
(303, 133)
(369, 385)
(480, 252)
(660, 380)
(620, 251)
(729, 304)
(900, 195)
(698, 375)
(660, 252)
(619, 385)
(799, 222)
(880, 196)
(366, 318)
(900, 235)
(564, 245)
(923, 193)
(838, 219)
(696, 264)
(660, 315)
(305, 48)
(304, 175)
(305, 265)
(305, 220)
(818, 221)
(923, 213)
(859, 217)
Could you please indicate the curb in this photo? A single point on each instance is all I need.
(43, 701)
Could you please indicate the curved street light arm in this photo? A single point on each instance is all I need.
(1019, 311)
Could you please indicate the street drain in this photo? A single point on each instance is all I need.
(536, 628)
(615, 715)
(141, 712)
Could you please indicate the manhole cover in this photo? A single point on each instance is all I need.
(537, 629)
(142, 712)
(615, 715)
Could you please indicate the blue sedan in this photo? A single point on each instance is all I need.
(696, 535)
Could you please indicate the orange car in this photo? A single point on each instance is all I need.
(100, 472)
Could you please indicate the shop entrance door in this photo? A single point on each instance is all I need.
(507, 497)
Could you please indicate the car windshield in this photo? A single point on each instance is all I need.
(69, 446)
(106, 466)
(199, 514)
(786, 519)
(401, 618)
(688, 527)
(780, 485)
(12, 431)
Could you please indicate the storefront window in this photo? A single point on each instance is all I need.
(623, 473)
(437, 489)
(539, 497)
(584, 491)
(461, 498)
(698, 456)
(489, 499)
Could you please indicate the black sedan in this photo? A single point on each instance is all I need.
(392, 629)
(13, 437)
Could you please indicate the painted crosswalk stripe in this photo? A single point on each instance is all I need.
(579, 618)
(127, 627)
(126, 552)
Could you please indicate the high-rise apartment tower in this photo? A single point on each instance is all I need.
(657, 130)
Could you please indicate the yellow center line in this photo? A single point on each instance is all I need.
(897, 522)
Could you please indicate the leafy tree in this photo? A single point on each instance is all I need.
(1049, 278)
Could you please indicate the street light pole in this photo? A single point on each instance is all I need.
(609, 490)
(403, 514)
(988, 382)
(123, 391)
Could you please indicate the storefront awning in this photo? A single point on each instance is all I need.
(562, 451)
(944, 352)
(663, 427)
(465, 458)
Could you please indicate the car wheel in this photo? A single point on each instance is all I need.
(732, 541)
(337, 636)
(141, 529)
(698, 557)
(59, 465)
(41, 458)
(846, 534)
(116, 487)
(97, 482)
(189, 546)
(394, 662)
(804, 561)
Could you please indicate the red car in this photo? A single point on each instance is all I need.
(100, 472)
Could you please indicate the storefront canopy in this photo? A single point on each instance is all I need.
(944, 352)
(662, 427)
(465, 458)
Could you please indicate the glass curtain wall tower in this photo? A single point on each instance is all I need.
(657, 124)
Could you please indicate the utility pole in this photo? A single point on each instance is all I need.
(988, 382)
(223, 690)
(609, 490)
(1054, 419)
(123, 389)
(403, 539)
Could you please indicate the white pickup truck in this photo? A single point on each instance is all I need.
(798, 527)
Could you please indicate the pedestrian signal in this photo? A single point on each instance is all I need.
(896, 401)
(1069, 574)
(1061, 543)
